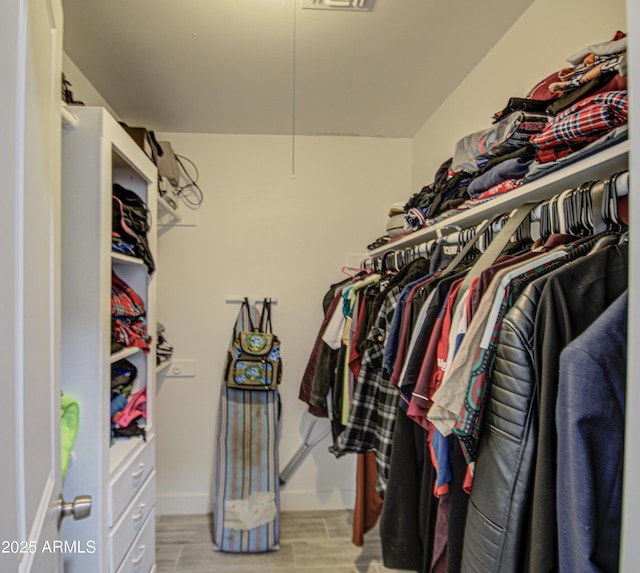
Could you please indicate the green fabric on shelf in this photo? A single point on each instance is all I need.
(68, 430)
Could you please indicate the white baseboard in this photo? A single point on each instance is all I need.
(316, 500)
(185, 504)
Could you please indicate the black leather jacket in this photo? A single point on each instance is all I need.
(497, 514)
(505, 531)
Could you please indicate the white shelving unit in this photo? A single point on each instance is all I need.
(119, 476)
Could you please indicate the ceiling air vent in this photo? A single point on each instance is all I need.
(354, 5)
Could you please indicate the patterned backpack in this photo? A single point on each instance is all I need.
(253, 362)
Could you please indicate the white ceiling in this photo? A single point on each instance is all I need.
(227, 66)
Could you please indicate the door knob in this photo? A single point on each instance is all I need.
(80, 508)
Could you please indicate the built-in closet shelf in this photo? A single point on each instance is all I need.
(162, 368)
(168, 216)
(130, 351)
(97, 154)
(127, 259)
(597, 166)
(166, 211)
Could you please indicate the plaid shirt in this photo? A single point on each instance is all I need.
(375, 402)
(585, 121)
(549, 154)
(127, 311)
(131, 332)
(124, 300)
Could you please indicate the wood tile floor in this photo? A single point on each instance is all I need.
(310, 541)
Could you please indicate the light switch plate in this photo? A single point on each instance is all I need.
(182, 369)
(353, 5)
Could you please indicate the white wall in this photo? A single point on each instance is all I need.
(533, 48)
(262, 233)
(82, 88)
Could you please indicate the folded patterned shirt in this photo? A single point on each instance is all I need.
(585, 121)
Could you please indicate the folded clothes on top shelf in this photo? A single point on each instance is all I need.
(582, 123)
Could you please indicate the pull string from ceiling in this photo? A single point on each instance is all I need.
(293, 92)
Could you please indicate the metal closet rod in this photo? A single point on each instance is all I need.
(622, 190)
(252, 299)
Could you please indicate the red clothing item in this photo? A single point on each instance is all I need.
(431, 372)
(368, 505)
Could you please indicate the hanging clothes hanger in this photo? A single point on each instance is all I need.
(554, 212)
(618, 188)
(354, 272)
(523, 234)
(545, 225)
(388, 263)
(613, 215)
(570, 212)
(494, 250)
(466, 250)
(585, 212)
(563, 210)
(598, 194)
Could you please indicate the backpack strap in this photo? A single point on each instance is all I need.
(265, 317)
(244, 320)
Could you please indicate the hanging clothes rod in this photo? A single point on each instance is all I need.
(458, 237)
(622, 190)
(462, 235)
(252, 299)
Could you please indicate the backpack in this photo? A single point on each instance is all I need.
(253, 361)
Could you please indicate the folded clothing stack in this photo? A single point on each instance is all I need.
(128, 408)
(581, 124)
(128, 322)
(508, 135)
(164, 350)
(397, 223)
(573, 112)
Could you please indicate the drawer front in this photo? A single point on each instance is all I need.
(127, 527)
(125, 483)
(142, 554)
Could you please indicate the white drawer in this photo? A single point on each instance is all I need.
(128, 526)
(126, 481)
(142, 554)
